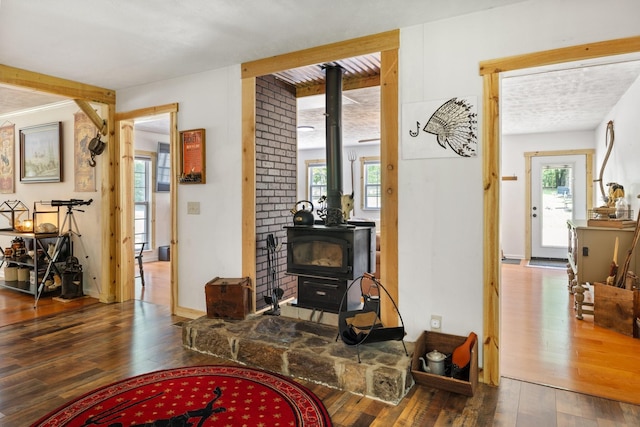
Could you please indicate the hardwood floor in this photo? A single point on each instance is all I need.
(49, 360)
(17, 306)
(543, 342)
(157, 289)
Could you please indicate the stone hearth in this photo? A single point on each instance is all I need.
(307, 350)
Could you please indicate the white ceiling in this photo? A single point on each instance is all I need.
(121, 43)
(117, 44)
(565, 97)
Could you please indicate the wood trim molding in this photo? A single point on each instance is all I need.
(249, 244)
(381, 42)
(55, 85)
(109, 186)
(577, 152)
(98, 122)
(490, 70)
(149, 111)
(173, 197)
(347, 84)
(565, 54)
(491, 219)
(125, 290)
(527, 207)
(389, 177)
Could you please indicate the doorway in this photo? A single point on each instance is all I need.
(558, 193)
(490, 71)
(152, 208)
(154, 121)
(387, 44)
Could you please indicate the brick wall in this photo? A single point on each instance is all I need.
(276, 164)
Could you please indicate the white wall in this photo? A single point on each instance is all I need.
(512, 193)
(88, 252)
(210, 244)
(623, 160)
(440, 222)
(440, 200)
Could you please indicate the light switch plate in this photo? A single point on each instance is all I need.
(193, 208)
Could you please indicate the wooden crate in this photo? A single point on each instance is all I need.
(444, 343)
(616, 308)
(228, 298)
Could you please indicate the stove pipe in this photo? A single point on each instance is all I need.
(333, 95)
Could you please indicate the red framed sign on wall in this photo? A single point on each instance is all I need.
(192, 156)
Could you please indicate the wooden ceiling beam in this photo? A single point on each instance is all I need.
(561, 55)
(389, 40)
(349, 83)
(98, 122)
(55, 85)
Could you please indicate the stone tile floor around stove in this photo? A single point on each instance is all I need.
(306, 349)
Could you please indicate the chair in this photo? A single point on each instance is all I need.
(139, 247)
(363, 326)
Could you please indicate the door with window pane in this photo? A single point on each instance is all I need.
(558, 194)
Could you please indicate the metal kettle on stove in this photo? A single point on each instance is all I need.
(304, 214)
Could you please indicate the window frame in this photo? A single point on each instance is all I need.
(364, 162)
(309, 164)
(148, 237)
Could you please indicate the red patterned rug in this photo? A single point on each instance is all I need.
(195, 396)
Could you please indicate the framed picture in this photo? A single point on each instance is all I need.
(7, 144)
(84, 176)
(41, 153)
(192, 156)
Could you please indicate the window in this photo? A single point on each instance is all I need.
(163, 170)
(372, 185)
(317, 179)
(142, 199)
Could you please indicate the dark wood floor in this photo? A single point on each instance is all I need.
(56, 357)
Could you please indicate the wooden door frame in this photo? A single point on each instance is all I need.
(387, 44)
(126, 282)
(490, 71)
(588, 153)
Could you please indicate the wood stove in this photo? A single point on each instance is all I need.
(327, 259)
(337, 252)
(328, 255)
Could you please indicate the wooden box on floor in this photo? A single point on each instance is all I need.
(228, 298)
(616, 308)
(444, 343)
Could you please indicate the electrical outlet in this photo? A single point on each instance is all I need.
(436, 322)
(193, 208)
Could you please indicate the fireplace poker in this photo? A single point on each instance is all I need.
(274, 292)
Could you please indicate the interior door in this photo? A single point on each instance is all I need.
(558, 193)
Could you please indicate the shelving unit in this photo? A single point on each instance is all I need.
(38, 264)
